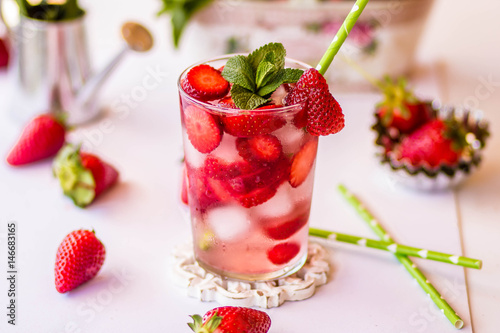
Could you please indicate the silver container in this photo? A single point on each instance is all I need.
(50, 66)
(51, 70)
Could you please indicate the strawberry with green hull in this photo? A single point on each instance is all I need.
(438, 142)
(400, 109)
(41, 138)
(79, 258)
(231, 319)
(83, 177)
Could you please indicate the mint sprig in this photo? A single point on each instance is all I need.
(258, 75)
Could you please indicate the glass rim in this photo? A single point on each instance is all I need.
(230, 111)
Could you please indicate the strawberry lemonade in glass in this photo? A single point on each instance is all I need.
(250, 126)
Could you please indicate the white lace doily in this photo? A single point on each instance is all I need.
(209, 287)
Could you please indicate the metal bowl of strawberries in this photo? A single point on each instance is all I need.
(428, 146)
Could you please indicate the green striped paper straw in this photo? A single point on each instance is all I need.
(397, 248)
(341, 35)
(372, 222)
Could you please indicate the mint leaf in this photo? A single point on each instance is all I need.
(179, 20)
(292, 75)
(246, 99)
(238, 71)
(266, 69)
(287, 75)
(257, 76)
(256, 57)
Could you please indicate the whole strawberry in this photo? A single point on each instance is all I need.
(40, 139)
(400, 108)
(230, 319)
(79, 258)
(322, 114)
(435, 143)
(83, 177)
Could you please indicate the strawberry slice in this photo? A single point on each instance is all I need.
(252, 125)
(205, 83)
(227, 102)
(218, 190)
(260, 175)
(202, 197)
(286, 229)
(202, 129)
(217, 168)
(257, 196)
(266, 148)
(184, 189)
(302, 163)
(204, 191)
(250, 183)
(283, 253)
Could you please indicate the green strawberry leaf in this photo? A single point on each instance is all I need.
(246, 99)
(76, 181)
(239, 72)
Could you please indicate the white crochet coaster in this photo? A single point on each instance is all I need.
(209, 287)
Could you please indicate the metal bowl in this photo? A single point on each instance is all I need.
(442, 177)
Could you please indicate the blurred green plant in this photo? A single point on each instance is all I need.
(51, 11)
(181, 12)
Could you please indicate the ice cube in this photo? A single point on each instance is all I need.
(228, 223)
(279, 94)
(192, 156)
(291, 138)
(281, 204)
(227, 149)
